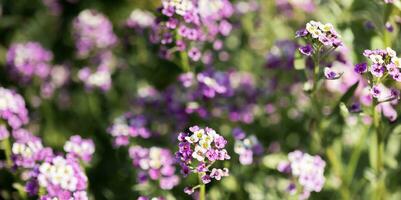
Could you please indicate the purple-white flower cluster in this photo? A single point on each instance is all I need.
(198, 151)
(48, 175)
(384, 64)
(12, 108)
(128, 126)
(28, 60)
(93, 32)
(246, 147)
(307, 170)
(186, 25)
(318, 35)
(80, 148)
(156, 164)
(140, 19)
(31, 63)
(94, 39)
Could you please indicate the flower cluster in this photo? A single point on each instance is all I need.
(128, 126)
(156, 164)
(140, 19)
(384, 64)
(46, 174)
(198, 151)
(318, 35)
(80, 148)
(94, 40)
(28, 60)
(246, 147)
(12, 108)
(186, 25)
(63, 178)
(287, 7)
(308, 171)
(93, 32)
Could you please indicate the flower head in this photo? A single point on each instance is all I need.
(198, 150)
(307, 170)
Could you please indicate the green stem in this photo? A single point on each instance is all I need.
(356, 154)
(380, 187)
(202, 188)
(183, 56)
(7, 148)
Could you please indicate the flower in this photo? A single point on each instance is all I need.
(361, 68)
(29, 60)
(198, 150)
(331, 74)
(306, 50)
(324, 34)
(191, 24)
(156, 164)
(12, 108)
(140, 19)
(127, 126)
(80, 148)
(384, 65)
(307, 170)
(93, 32)
(246, 147)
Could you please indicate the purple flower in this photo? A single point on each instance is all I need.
(194, 54)
(29, 60)
(307, 170)
(12, 108)
(361, 68)
(375, 91)
(157, 163)
(331, 74)
(306, 50)
(80, 148)
(301, 33)
(93, 32)
(206, 147)
(377, 70)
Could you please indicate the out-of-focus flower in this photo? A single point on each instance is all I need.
(28, 60)
(93, 32)
(247, 147)
(287, 7)
(307, 170)
(12, 108)
(140, 19)
(80, 148)
(127, 126)
(188, 25)
(155, 164)
(62, 178)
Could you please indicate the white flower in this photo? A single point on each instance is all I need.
(376, 59)
(391, 52)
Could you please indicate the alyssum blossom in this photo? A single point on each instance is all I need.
(198, 151)
(186, 25)
(155, 164)
(128, 126)
(12, 108)
(246, 147)
(28, 60)
(307, 170)
(318, 35)
(384, 65)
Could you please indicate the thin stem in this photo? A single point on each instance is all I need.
(183, 56)
(380, 187)
(202, 188)
(7, 150)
